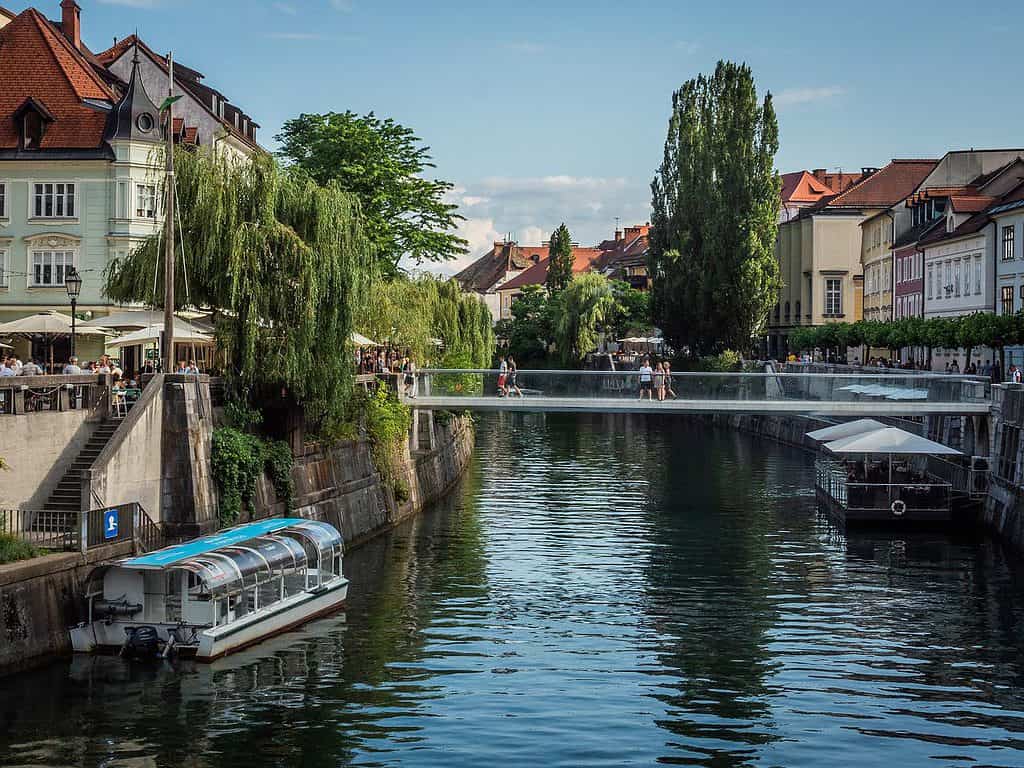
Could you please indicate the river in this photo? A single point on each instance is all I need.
(619, 591)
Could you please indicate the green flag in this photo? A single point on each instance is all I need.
(168, 101)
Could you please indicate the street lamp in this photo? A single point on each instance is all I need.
(73, 282)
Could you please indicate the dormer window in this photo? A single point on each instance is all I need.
(32, 119)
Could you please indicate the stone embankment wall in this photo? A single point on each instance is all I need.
(40, 600)
(38, 448)
(1004, 508)
(341, 486)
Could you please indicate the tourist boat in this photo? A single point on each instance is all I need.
(215, 594)
(875, 474)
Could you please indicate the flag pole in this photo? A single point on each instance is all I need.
(168, 350)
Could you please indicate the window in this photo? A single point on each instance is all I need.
(1022, 294)
(833, 296)
(977, 274)
(1007, 300)
(53, 200)
(956, 277)
(787, 310)
(31, 129)
(1008, 242)
(947, 286)
(145, 201)
(3, 200)
(48, 267)
(797, 318)
(3, 269)
(930, 273)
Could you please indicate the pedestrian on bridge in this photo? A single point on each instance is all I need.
(646, 380)
(668, 381)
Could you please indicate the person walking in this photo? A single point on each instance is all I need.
(409, 369)
(512, 383)
(646, 379)
(669, 392)
(659, 381)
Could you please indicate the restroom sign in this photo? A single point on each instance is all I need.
(110, 524)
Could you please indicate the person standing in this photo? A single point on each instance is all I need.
(502, 376)
(669, 392)
(659, 381)
(409, 369)
(646, 379)
(512, 384)
(72, 369)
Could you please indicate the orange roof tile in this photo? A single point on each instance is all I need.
(37, 62)
(970, 203)
(885, 187)
(582, 260)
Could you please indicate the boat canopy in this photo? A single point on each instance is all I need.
(251, 554)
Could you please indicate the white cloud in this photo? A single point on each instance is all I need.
(791, 96)
(531, 207)
(285, 8)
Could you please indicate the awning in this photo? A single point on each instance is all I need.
(890, 440)
(847, 429)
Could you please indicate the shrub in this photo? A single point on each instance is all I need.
(238, 458)
(724, 362)
(12, 549)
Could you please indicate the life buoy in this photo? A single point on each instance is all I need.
(898, 507)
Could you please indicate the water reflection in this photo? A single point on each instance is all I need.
(601, 591)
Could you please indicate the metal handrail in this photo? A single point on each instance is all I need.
(945, 377)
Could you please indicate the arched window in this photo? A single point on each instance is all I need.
(787, 310)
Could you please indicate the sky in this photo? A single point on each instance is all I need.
(544, 112)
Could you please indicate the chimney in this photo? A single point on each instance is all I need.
(820, 174)
(618, 235)
(70, 22)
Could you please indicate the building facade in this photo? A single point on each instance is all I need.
(81, 166)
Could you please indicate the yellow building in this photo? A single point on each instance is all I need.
(876, 260)
(820, 251)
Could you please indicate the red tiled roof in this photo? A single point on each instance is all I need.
(582, 260)
(969, 203)
(886, 187)
(803, 187)
(38, 62)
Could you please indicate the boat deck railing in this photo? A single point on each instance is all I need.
(929, 495)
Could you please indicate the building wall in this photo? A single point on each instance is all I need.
(38, 448)
(1010, 273)
(940, 267)
(836, 251)
(876, 262)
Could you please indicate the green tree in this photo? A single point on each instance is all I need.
(633, 313)
(531, 330)
(381, 163)
(559, 260)
(715, 202)
(281, 260)
(587, 304)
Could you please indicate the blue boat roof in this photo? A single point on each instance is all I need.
(169, 556)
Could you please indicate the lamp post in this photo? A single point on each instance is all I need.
(73, 282)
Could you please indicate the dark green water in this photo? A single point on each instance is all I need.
(599, 593)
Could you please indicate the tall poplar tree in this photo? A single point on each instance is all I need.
(559, 260)
(715, 201)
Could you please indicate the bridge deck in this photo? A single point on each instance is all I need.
(625, 405)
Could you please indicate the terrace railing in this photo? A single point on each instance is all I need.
(930, 495)
(27, 395)
(58, 531)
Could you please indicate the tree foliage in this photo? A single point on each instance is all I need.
(381, 162)
(587, 306)
(559, 260)
(531, 330)
(417, 312)
(980, 329)
(715, 202)
(283, 262)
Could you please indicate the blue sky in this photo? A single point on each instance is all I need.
(541, 112)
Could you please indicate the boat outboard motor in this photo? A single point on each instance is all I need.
(141, 642)
(106, 609)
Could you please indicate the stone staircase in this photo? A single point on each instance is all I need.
(67, 496)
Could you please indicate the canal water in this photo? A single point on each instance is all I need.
(619, 591)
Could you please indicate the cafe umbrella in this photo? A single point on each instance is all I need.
(46, 327)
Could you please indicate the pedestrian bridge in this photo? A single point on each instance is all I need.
(821, 394)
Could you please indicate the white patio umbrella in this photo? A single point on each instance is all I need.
(182, 332)
(48, 326)
(361, 341)
(847, 429)
(890, 440)
(5, 346)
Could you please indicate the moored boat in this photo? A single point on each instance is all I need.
(216, 594)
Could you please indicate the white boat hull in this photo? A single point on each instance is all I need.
(214, 642)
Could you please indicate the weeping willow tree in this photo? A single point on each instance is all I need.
(432, 317)
(585, 306)
(283, 262)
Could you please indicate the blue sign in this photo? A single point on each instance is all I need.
(110, 524)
